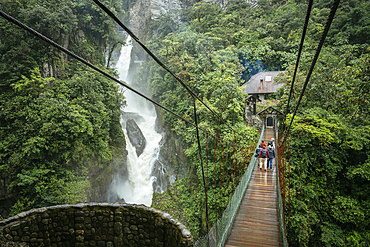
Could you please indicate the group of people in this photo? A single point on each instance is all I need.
(265, 154)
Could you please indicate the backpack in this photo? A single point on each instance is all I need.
(271, 152)
(264, 152)
(270, 143)
(257, 152)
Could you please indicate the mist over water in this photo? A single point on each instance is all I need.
(137, 188)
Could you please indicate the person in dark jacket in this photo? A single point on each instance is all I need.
(257, 151)
(271, 143)
(264, 154)
(271, 152)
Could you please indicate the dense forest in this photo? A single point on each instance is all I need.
(60, 126)
(215, 49)
(59, 121)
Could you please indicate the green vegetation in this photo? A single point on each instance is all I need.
(329, 156)
(216, 49)
(213, 71)
(59, 121)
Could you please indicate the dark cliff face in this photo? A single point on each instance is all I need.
(136, 137)
(171, 162)
(141, 13)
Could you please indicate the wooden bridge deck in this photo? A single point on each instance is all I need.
(256, 222)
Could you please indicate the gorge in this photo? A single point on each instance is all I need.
(142, 142)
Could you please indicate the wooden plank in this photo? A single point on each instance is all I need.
(257, 221)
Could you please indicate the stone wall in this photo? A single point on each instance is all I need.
(94, 224)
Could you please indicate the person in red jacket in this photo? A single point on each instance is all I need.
(263, 144)
(264, 154)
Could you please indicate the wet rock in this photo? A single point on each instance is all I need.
(160, 174)
(136, 137)
(143, 11)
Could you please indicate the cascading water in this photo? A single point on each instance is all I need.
(138, 186)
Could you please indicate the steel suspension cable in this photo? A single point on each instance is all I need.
(284, 170)
(321, 44)
(110, 13)
(299, 52)
(282, 167)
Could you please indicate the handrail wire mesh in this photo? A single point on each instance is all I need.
(218, 234)
(280, 200)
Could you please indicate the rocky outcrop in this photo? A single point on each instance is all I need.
(159, 173)
(136, 137)
(141, 14)
(143, 11)
(171, 162)
(222, 3)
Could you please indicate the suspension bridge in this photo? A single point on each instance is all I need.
(255, 213)
(254, 216)
(256, 222)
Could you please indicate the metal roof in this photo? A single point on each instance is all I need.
(253, 86)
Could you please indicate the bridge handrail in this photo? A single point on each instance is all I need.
(280, 200)
(218, 234)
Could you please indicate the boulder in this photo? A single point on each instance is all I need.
(135, 136)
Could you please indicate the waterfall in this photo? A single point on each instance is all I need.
(137, 187)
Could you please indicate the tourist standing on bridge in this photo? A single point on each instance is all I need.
(257, 153)
(263, 144)
(271, 143)
(258, 149)
(271, 152)
(264, 154)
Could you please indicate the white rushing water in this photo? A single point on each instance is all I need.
(137, 188)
